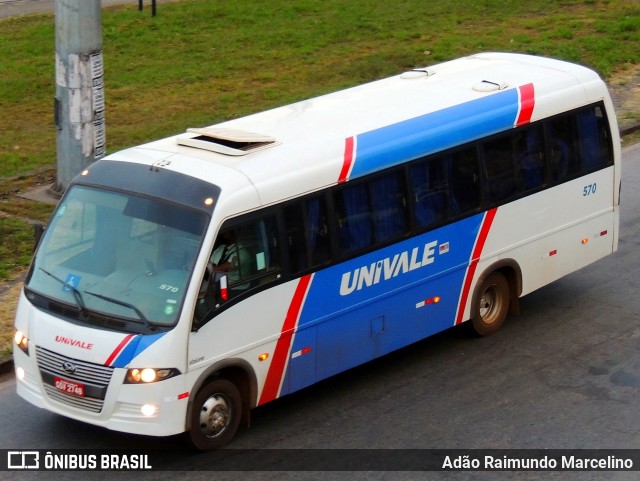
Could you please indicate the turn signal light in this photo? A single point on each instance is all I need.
(426, 302)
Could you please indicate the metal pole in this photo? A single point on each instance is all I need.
(79, 101)
(153, 7)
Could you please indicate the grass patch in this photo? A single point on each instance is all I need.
(8, 303)
(200, 62)
(16, 245)
(17, 216)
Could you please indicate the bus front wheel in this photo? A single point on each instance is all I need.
(216, 414)
(491, 304)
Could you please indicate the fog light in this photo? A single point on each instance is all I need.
(149, 410)
(20, 373)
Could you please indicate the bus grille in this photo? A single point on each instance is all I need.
(94, 378)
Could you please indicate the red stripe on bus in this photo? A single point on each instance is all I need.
(118, 349)
(527, 102)
(283, 346)
(348, 160)
(475, 257)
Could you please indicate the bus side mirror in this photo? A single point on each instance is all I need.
(38, 231)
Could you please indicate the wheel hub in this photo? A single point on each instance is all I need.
(215, 415)
(488, 305)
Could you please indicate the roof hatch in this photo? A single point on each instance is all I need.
(490, 86)
(226, 141)
(418, 73)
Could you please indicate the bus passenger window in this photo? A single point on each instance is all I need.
(499, 169)
(462, 167)
(355, 228)
(563, 149)
(307, 234)
(388, 205)
(445, 187)
(429, 189)
(594, 138)
(529, 150)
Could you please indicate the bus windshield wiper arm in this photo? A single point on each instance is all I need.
(76, 293)
(142, 317)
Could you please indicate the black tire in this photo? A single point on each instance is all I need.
(491, 304)
(216, 415)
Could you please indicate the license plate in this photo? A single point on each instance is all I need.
(69, 387)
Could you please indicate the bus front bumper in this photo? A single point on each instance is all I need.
(155, 409)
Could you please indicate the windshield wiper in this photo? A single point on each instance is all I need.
(67, 285)
(143, 318)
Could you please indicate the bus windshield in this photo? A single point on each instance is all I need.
(120, 260)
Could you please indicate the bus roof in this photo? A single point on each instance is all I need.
(309, 145)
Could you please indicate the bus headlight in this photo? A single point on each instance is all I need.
(149, 375)
(21, 341)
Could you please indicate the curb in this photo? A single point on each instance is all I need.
(6, 367)
(629, 130)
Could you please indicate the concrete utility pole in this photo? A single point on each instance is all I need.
(79, 101)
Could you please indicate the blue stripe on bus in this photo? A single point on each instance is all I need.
(433, 132)
(135, 348)
(378, 311)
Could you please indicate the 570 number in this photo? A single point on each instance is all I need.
(589, 189)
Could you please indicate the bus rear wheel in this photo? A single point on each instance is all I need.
(216, 414)
(491, 304)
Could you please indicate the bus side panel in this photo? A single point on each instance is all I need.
(382, 326)
(557, 231)
(374, 304)
(563, 229)
(302, 361)
(243, 332)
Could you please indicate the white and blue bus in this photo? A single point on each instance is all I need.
(184, 282)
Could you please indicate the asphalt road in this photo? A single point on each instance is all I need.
(563, 374)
